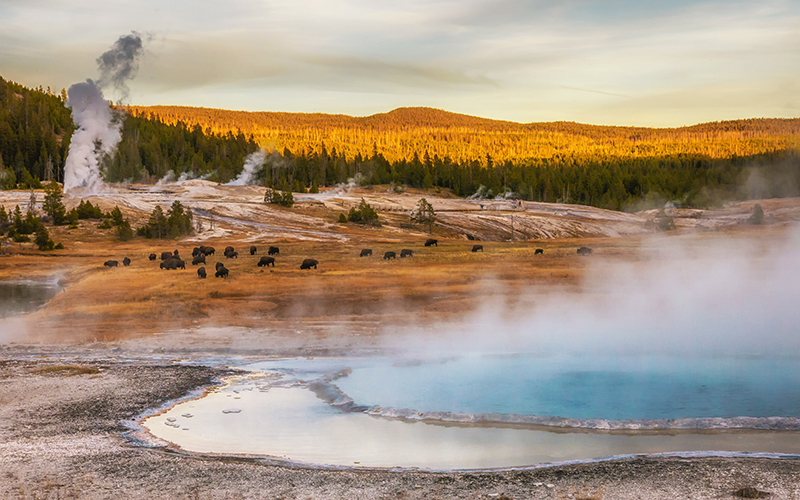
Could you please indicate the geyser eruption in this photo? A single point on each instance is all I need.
(98, 126)
(252, 163)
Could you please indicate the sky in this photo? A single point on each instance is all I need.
(617, 62)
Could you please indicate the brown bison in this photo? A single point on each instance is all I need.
(198, 259)
(308, 264)
(201, 272)
(273, 251)
(111, 263)
(406, 253)
(169, 264)
(539, 251)
(475, 248)
(195, 251)
(389, 255)
(584, 251)
(126, 262)
(266, 261)
(253, 250)
(222, 272)
(218, 265)
(232, 255)
(153, 256)
(207, 250)
(166, 255)
(430, 242)
(366, 252)
(176, 254)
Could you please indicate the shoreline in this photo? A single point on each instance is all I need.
(69, 441)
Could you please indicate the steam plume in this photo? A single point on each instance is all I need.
(98, 127)
(252, 163)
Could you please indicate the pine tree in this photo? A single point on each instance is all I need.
(53, 205)
(424, 214)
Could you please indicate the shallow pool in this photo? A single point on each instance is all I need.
(21, 296)
(472, 412)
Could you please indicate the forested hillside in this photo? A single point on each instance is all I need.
(35, 129)
(401, 133)
(609, 167)
(35, 132)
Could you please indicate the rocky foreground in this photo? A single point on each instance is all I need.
(65, 433)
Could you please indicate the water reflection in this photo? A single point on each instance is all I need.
(21, 296)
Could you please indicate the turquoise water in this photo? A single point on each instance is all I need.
(575, 387)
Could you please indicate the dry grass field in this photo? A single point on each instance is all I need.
(437, 283)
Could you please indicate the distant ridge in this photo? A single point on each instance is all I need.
(403, 132)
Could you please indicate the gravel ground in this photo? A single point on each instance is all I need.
(63, 435)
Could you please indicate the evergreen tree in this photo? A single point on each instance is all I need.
(424, 214)
(53, 204)
(43, 240)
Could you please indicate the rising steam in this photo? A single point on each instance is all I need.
(251, 165)
(97, 125)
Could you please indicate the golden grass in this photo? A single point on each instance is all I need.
(66, 370)
(436, 283)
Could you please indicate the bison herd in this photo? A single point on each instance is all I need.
(172, 260)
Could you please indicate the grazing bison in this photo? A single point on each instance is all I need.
(228, 249)
(169, 264)
(232, 255)
(253, 250)
(153, 256)
(198, 259)
(406, 253)
(166, 255)
(539, 251)
(584, 251)
(207, 250)
(195, 251)
(176, 254)
(126, 262)
(266, 261)
(430, 242)
(273, 251)
(389, 255)
(308, 264)
(222, 272)
(366, 252)
(201, 272)
(218, 265)
(179, 264)
(475, 248)
(111, 263)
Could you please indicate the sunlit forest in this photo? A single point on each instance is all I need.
(622, 168)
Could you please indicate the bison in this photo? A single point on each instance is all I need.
(584, 251)
(201, 272)
(253, 250)
(389, 255)
(232, 255)
(308, 264)
(153, 256)
(176, 254)
(169, 264)
(475, 248)
(273, 251)
(195, 251)
(228, 249)
(207, 250)
(218, 265)
(222, 272)
(406, 253)
(179, 263)
(166, 255)
(266, 261)
(366, 252)
(126, 262)
(198, 259)
(539, 251)
(430, 242)
(111, 263)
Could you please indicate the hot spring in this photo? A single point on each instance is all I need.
(479, 411)
(690, 348)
